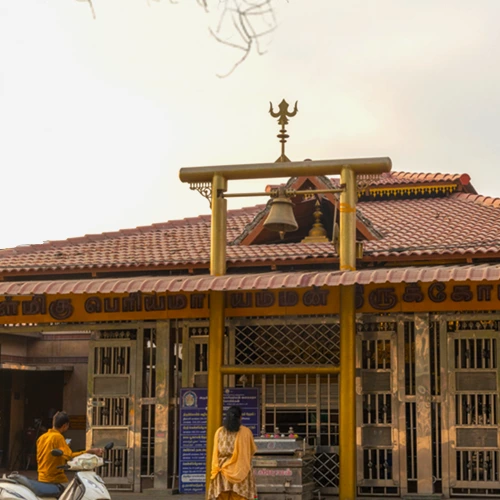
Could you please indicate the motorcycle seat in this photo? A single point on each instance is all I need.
(40, 489)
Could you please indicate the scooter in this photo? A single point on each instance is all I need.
(86, 485)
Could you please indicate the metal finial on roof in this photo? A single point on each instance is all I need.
(317, 234)
(283, 114)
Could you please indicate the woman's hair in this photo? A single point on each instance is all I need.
(232, 420)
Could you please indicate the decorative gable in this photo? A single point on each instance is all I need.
(304, 208)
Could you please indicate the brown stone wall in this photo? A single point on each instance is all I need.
(13, 346)
(69, 349)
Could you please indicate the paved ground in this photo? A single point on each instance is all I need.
(119, 495)
(150, 494)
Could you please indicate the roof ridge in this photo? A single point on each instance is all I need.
(464, 178)
(479, 199)
(410, 177)
(89, 238)
(429, 175)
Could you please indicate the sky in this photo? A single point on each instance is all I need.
(97, 116)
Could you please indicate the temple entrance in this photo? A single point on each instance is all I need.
(306, 403)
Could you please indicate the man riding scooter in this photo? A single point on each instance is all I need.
(55, 456)
(49, 470)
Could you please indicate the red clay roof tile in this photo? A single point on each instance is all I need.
(390, 178)
(257, 281)
(407, 178)
(454, 225)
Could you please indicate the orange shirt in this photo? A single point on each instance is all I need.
(47, 464)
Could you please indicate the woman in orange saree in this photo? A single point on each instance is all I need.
(232, 475)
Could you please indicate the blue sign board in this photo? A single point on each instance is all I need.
(193, 431)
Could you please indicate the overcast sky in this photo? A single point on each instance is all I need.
(98, 116)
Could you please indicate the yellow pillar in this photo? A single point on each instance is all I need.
(217, 316)
(347, 389)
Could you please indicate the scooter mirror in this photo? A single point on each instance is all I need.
(56, 453)
(109, 446)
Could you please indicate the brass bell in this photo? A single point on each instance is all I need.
(281, 217)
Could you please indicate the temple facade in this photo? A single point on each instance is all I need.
(112, 327)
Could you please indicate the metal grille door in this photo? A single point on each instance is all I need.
(110, 409)
(308, 403)
(377, 410)
(473, 409)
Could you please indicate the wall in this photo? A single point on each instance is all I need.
(11, 346)
(68, 349)
(75, 403)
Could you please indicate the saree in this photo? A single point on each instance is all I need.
(232, 475)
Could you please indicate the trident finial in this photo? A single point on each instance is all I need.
(283, 114)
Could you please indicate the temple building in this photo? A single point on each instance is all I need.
(112, 327)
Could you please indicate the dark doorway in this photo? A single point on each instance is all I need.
(5, 391)
(43, 396)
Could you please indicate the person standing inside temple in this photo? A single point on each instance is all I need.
(232, 474)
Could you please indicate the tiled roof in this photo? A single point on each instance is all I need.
(487, 201)
(259, 281)
(159, 244)
(455, 224)
(451, 225)
(397, 178)
(392, 178)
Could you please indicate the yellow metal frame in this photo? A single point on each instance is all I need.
(218, 176)
(280, 370)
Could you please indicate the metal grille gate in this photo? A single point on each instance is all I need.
(377, 409)
(308, 403)
(122, 403)
(110, 409)
(474, 452)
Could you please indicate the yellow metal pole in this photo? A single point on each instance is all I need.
(347, 389)
(217, 316)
